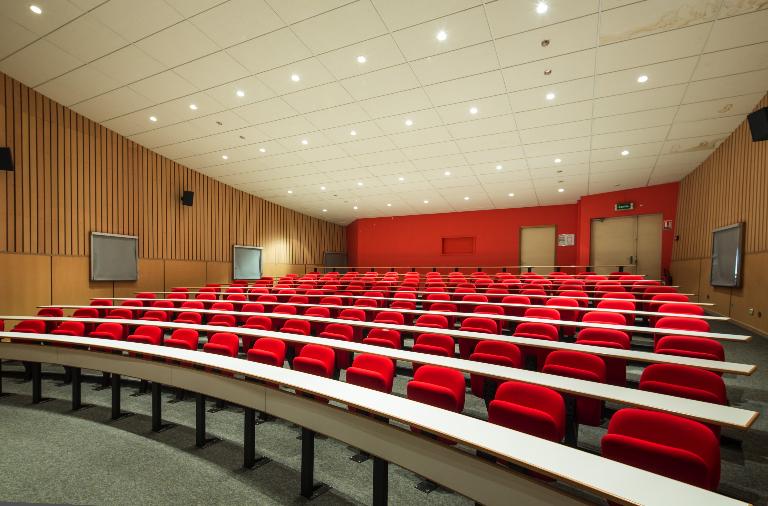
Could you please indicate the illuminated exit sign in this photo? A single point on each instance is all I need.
(624, 206)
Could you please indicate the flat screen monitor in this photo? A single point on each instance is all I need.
(727, 256)
(246, 262)
(114, 257)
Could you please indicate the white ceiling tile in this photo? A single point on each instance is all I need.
(483, 126)
(488, 142)
(635, 120)
(178, 44)
(567, 67)
(442, 162)
(706, 143)
(618, 139)
(342, 115)
(460, 63)
(396, 103)
(285, 127)
(567, 161)
(80, 84)
(310, 72)
(365, 146)
(729, 86)
(395, 124)
(565, 113)
(128, 65)
(421, 136)
(252, 87)
(135, 20)
(236, 21)
(462, 29)
(557, 147)
(265, 111)
(635, 151)
(536, 98)
(270, 51)
(332, 29)
(162, 87)
(732, 61)
(485, 108)
(321, 97)
(459, 90)
(189, 8)
(399, 14)
(508, 17)
(659, 75)
(495, 155)
(13, 37)
(211, 70)
(703, 127)
(668, 96)
(431, 150)
(112, 104)
(292, 11)
(379, 53)
(38, 62)
(381, 82)
(654, 16)
(555, 132)
(56, 13)
(738, 31)
(718, 108)
(86, 38)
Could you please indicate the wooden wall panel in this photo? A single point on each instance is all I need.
(184, 273)
(151, 278)
(218, 272)
(25, 282)
(74, 176)
(70, 281)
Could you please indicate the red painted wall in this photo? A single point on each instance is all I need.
(417, 240)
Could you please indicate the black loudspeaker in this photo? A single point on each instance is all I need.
(758, 124)
(6, 162)
(187, 198)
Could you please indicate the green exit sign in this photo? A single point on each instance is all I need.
(624, 206)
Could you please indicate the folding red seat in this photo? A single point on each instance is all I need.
(571, 315)
(112, 331)
(185, 339)
(495, 294)
(446, 307)
(676, 308)
(544, 313)
(604, 318)
(678, 323)
(438, 386)
(298, 299)
(177, 296)
(267, 300)
(180, 289)
(256, 323)
(389, 317)
(297, 327)
(315, 359)
(146, 334)
(621, 305)
(318, 312)
(433, 321)
(532, 409)
(118, 314)
(222, 306)
(669, 445)
(285, 309)
(30, 327)
(192, 304)
(615, 368)
(577, 295)
(100, 302)
(266, 350)
(482, 325)
(205, 296)
(461, 291)
(649, 291)
(492, 352)
(432, 297)
(693, 347)
(492, 309)
(434, 344)
(579, 365)
(332, 301)
(223, 320)
(223, 343)
(472, 297)
(255, 292)
(189, 318)
(69, 329)
(50, 311)
(384, 337)
(534, 330)
(375, 295)
(145, 295)
(236, 297)
(341, 332)
(684, 381)
(88, 312)
(618, 295)
(515, 310)
(372, 371)
(235, 289)
(162, 304)
(366, 303)
(662, 298)
(537, 295)
(154, 316)
(284, 294)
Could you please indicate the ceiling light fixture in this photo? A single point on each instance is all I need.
(193, 107)
(561, 190)
(262, 150)
(240, 93)
(426, 201)
(295, 78)
(550, 96)
(548, 72)
(499, 167)
(542, 7)
(359, 183)
(322, 188)
(35, 9)
(353, 133)
(510, 194)
(401, 178)
(304, 141)
(624, 153)
(441, 35)
(408, 122)
(224, 157)
(361, 59)
(153, 119)
(643, 78)
(354, 207)
(290, 192)
(389, 205)
(466, 198)
(325, 210)
(473, 110)
(557, 160)
(447, 173)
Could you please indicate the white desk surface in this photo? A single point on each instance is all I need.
(702, 411)
(603, 476)
(474, 303)
(630, 329)
(636, 356)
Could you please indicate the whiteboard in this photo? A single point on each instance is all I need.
(727, 256)
(246, 262)
(114, 257)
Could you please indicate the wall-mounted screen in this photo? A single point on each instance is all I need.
(114, 257)
(246, 262)
(727, 256)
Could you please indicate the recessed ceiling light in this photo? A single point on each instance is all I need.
(401, 178)
(447, 173)
(426, 201)
(353, 132)
(561, 190)
(550, 96)
(361, 59)
(193, 107)
(224, 157)
(359, 183)
(466, 198)
(499, 167)
(295, 78)
(354, 207)
(643, 78)
(624, 153)
(325, 210)
(542, 7)
(548, 72)
(441, 35)
(389, 205)
(557, 160)
(510, 194)
(35, 9)
(408, 122)
(240, 93)
(473, 110)
(153, 119)
(290, 191)
(322, 188)
(262, 150)
(304, 141)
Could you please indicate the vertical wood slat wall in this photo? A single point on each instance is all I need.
(729, 187)
(74, 176)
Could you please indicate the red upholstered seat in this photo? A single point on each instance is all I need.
(493, 352)
(186, 339)
(69, 329)
(267, 350)
(438, 386)
(97, 302)
(341, 332)
(285, 309)
(615, 368)
(434, 344)
(693, 347)
(192, 304)
(684, 381)
(223, 343)
(515, 299)
(146, 334)
(391, 317)
(678, 323)
(372, 371)
(145, 295)
(579, 365)
(535, 330)
(605, 318)
(155, 316)
(473, 324)
(189, 318)
(112, 331)
(119, 313)
(433, 321)
(676, 308)
(223, 320)
(533, 409)
(384, 337)
(162, 304)
(30, 327)
(223, 306)
(315, 359)
(665, 444)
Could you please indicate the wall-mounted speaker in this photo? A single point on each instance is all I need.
(6, 161)
(187, 197)
(758, 124)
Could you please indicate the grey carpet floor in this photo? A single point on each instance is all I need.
(49, 454)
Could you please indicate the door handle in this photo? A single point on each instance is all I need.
(631, 260)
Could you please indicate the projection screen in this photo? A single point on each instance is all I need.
(727, 256)
(246, 262)
(114, 257)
